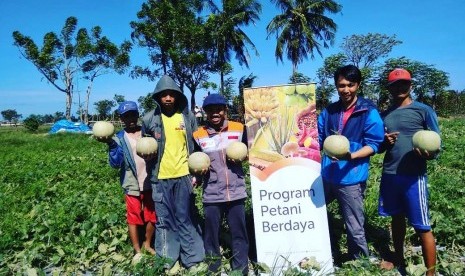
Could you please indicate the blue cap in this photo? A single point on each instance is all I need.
(127, 106)
(214, 99)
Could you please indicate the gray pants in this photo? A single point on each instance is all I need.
(177, 235)
(350, 199)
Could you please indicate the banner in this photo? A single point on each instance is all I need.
(291, 225)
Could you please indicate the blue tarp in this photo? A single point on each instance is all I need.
(68, 126)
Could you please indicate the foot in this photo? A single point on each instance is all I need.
(146, 247)
(137, 258)
(386, 265)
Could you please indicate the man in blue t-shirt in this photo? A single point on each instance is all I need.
(403, 189)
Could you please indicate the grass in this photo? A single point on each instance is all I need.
(62, 210)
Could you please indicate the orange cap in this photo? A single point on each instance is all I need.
(399, 74)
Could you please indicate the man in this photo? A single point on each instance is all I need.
(345, 180)
(403, 189)
(224, 190)
(172, 124)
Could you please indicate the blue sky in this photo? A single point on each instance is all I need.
(431, 31)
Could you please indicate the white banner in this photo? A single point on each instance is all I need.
(291, 226)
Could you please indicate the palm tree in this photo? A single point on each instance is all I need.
(226, 24)
(302, 27)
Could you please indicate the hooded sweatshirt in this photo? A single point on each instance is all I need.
(152, 124)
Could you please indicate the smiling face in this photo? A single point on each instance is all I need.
(216, 114)
(347, 91)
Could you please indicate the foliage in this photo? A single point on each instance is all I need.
(325, 75)
(170, 30)
(298, 77)
(32, 122)
(65, 55)
(104, 107)
(301, 27)
(62, 211)
(427, 82)
(238, 101)
(11, 115)
(225, 23)
(364, 51)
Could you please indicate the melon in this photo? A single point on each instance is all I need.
(103, 129)
(146, 146)
(198, 162)
(236, 151)
(427, 140)
(336, 146)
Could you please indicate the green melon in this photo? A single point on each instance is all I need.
(198, 162)
(427, 140)
(146, 146)
(103, 129)
(336, 146)
(236, 151)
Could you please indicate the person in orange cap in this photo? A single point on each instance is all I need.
(403, 189)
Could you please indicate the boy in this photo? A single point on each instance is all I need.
(403, 189)
(345, 180)
(133, 176)
(224, 189)
(171, 124)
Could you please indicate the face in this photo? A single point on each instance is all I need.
(168, 99)
(216, 114)
(400, 90)
(129, 119)
(347, 91)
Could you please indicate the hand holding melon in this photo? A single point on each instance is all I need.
(236, 152)
(147, 147)
(103, 131)
(337, 146)
(198, 162)
(426, 143)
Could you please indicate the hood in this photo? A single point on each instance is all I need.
(167, 83)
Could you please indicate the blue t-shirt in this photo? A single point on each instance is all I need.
(407, 120)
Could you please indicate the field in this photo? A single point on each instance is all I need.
(62, 209)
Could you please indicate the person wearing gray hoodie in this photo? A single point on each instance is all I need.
(171, 124)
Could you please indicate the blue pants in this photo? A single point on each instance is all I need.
(350, 199)
(235, 214)
(176, 234)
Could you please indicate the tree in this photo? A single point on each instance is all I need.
(244, 82)
(226, 26)
(64, 56)
(297, 77)
(101, 56)
(302, 27)
(171, 31)
(364, 51)
(11, 115)
(428, 82)
(325, 89)
(104, 107)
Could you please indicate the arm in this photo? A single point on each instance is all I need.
(115, 153)
(373, 137)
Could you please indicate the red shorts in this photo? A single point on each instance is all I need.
(140, 209)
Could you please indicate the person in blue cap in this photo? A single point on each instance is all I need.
(140, 209)
(171, 124)
(224, 190)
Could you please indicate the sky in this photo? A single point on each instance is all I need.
(431, 32)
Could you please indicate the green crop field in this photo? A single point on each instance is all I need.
(62, 209)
